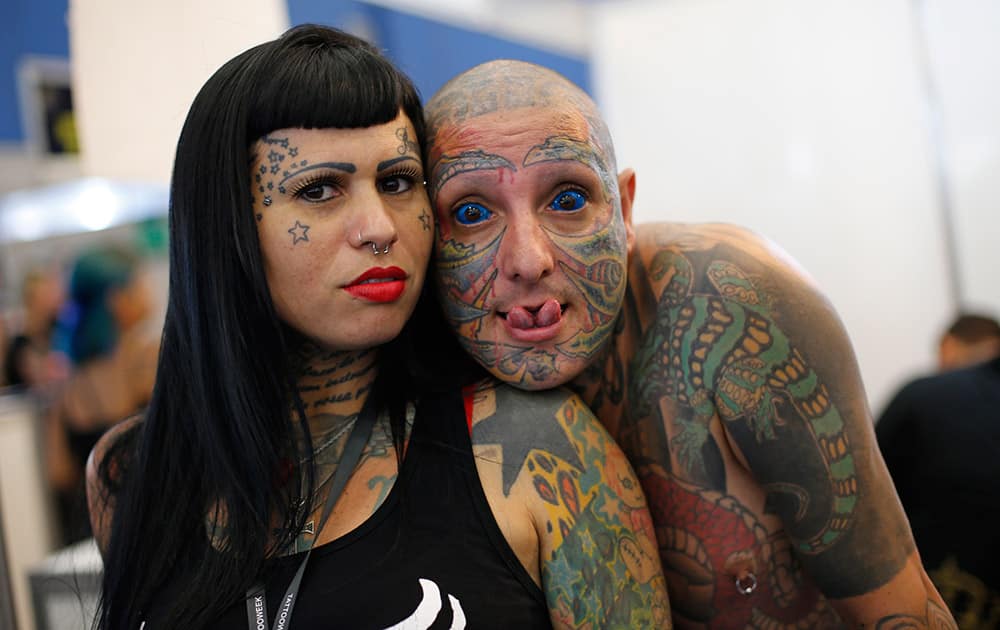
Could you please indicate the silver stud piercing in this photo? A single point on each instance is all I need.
(267, 200)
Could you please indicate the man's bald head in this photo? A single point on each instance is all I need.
(504, 86)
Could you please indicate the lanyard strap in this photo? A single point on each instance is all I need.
(256, 600)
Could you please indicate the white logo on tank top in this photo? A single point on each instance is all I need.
(428, 609)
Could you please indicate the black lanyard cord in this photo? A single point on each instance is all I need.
(256, 600)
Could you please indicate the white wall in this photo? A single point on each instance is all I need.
(964, 62)
(808, 122)
(137, 66)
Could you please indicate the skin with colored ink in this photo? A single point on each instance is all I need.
(710, 357)
(568, 240)
(597, 548)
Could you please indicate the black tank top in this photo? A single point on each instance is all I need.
(431, 556)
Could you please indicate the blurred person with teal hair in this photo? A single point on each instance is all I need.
(113, 369)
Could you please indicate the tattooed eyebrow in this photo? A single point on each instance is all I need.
(567, 148)
(564, 148)
(347, 167)
(449, 166)
(381, 166)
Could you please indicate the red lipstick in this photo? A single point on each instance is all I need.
(378, 284)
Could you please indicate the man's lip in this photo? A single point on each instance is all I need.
(379, 273)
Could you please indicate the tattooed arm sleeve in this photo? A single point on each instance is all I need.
(599, 561)
(780, 374)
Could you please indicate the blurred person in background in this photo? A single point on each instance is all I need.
(29, 360)
(113, 368)
(972, 338)
(940, 437)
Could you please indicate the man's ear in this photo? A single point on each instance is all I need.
(626, 191)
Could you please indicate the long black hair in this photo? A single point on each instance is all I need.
(217, 429)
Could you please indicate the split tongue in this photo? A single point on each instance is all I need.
(549, 313)
(518, 317)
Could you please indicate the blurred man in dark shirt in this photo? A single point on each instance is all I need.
(940, 437)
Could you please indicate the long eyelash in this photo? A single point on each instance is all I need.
(411, 172)
(321, 178)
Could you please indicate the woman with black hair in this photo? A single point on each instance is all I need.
(297, 465)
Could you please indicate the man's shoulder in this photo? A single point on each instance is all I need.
(677, 259)
(693, 235)
(720, 240)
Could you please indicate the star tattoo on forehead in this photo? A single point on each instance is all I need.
(299, 232)
(517, 434)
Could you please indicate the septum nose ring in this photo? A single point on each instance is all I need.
(375, 250)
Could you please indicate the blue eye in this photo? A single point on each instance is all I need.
(472, 213)
(568, 200)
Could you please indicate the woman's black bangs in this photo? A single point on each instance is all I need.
(314, 92)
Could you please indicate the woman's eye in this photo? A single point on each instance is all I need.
(472, 213)
(318, 192)
(396, 184)
(568, 200)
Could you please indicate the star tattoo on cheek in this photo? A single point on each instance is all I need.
(425, 220)
(299, 232)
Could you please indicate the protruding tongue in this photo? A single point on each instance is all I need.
(549, 313)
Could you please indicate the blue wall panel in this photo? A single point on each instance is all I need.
(27, 27)
(431, 52)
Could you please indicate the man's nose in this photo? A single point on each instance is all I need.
(526, 252)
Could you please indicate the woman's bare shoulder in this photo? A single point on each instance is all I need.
(106, 467)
